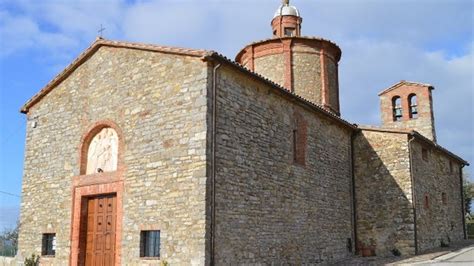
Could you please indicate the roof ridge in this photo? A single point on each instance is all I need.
(402, 82)
(98, 42)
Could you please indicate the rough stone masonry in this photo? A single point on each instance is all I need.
(230, 163)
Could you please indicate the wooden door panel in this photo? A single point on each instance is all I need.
(100, 239)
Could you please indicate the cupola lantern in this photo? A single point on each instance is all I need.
(286, 21)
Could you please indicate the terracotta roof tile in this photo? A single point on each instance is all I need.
(99, 42)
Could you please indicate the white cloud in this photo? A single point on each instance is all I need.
(56, 26)
(21, 32)
(369, 67)
(382, 42)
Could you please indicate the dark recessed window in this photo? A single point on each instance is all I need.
(427, 202)
(450, 167)
(48, 247)
(150, 244)
(295, 146)
(289, 32)
(424, 154)
(444, 198)
(299, 150)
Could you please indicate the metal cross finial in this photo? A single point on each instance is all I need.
(101, 30)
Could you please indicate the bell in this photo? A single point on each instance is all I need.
(398, 112)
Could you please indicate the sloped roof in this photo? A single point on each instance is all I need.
(404, 82)
(204, 54)
(417, 135)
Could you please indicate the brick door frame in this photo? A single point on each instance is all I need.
(93, 190)
(84, 186)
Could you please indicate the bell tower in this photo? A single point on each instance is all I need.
(409, 105)
(306, 66)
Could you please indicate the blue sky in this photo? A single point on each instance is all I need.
(382, 42)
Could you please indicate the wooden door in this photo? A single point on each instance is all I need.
(100, 231)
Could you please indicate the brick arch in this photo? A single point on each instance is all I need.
(89, 135)
(412, 100)
(397, 108)
(86, 186)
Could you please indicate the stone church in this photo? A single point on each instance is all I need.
(141, 154)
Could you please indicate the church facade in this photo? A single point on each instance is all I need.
(142, 154)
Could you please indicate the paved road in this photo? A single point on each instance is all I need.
(465, 257)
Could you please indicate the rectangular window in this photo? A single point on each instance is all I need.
(48, 247)
(424, 154)
(451, 167)
(289, 32)
(150, 244)
(444, 198)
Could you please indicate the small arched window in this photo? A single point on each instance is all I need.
(412, 99)
(426, 202)
(102, 152)
(397, 108)
(444, 198)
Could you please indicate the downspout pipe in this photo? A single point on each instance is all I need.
(462, 201)
(354, 203)
(213, 163)
(413, 195)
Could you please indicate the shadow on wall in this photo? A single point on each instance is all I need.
(384, 213)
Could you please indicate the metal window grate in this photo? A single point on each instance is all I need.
(48, 247)
(150, 243)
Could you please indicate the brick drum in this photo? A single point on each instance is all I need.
(306, 66)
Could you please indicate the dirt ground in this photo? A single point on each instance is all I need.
(407, 260)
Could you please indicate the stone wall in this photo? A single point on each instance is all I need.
(159, 103)
(438, 197)
(271, 67)
(269, 209)
(384, 209)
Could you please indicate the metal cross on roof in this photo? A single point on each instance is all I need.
(101, 30)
